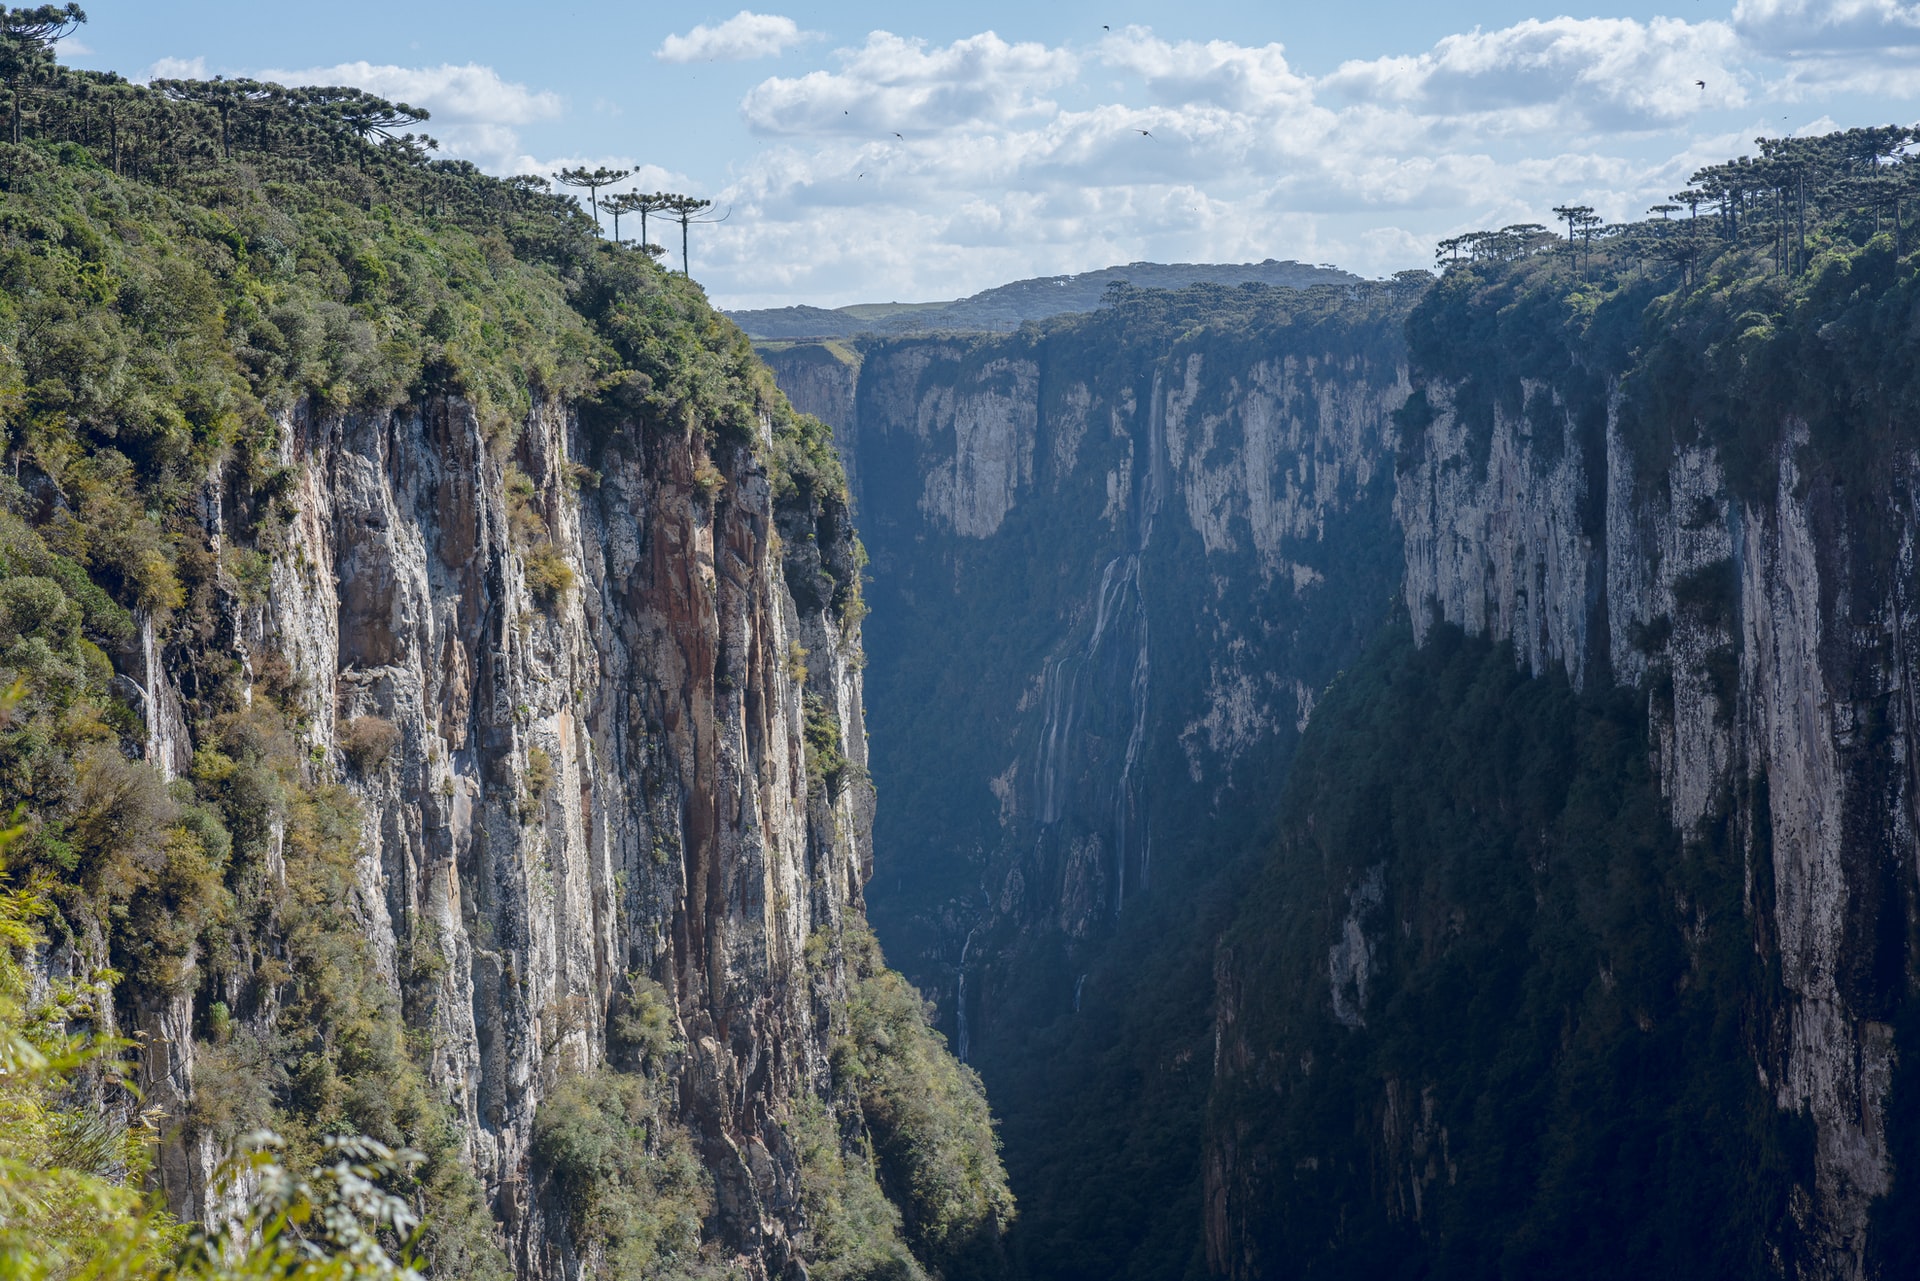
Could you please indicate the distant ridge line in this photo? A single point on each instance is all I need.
(1007, 307)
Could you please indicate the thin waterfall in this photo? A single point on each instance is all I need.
(1126, 800)
(1056, 735)
(960, 1001)
(1119, 605)
(1126, 805)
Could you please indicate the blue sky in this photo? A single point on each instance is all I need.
(871, 152)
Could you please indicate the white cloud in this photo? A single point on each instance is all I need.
(178, 69)
(467, 94)
(896, 85)
(907, 168)
(1865, 46)
(475, 113)
(1217, 73)
(745, 35)
(1578, 73)
(1828, 26)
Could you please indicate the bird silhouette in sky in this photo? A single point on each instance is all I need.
(1146, 133)
(902, 137)
(1701, 83)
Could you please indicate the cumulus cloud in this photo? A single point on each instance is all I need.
(962, 163)
(1218, 73)
(474, 112)
(1828, 26)
(1581, 73)
(466, 93)
(899, 85)
(1866, 46)
(178, 69)
(745, 35)
(909, 168)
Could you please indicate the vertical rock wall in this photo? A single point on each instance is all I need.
(1177, 515)
(1773, 634)
(586, 789)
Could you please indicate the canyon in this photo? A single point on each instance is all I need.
(1192, 513)
(1396, 777)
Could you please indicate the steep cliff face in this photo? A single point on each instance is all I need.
(1769, 618)
(1485, 1008)
(1695, 508)
(1601, 876)
(1115, 559)
(1203, 474)
(675, 833)
(823, 380)
(577, 794)
(434, 703)
(1767, 642)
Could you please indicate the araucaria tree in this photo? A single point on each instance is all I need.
(591, 180)
(229, 99)
(684, 210)
(657, 202)
(27, 37)
(626, 202)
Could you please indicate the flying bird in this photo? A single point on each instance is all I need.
(1146, 133)
(902, 137)
(1701, 83)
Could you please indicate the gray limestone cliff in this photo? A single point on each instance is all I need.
(1115, 559)
(1778, 663)
(1182, 508)
(581, 789)
(1712, 549)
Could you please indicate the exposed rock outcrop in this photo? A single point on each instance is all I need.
(971, 454)
(1768, 639)
(1114, 562)
(585, 784)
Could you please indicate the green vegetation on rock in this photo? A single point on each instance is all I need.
(1789, 300)
(1526, 1053)
(74, 1194)
(900, 1174)
(625, 1176)
(188, 273)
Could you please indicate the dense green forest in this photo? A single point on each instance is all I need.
(1784, 294)
(1541, 1062)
